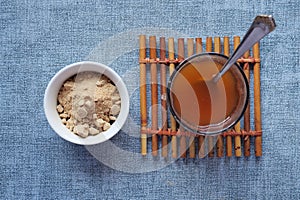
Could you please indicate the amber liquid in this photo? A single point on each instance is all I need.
(197, 100)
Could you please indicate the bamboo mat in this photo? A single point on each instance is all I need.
(158, 58)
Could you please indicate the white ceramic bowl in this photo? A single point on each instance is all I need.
(50, 102)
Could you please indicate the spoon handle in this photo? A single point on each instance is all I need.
(261, 26)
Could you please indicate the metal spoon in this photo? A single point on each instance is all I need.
(261, 26)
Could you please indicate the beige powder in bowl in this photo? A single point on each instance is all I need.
(88, 103)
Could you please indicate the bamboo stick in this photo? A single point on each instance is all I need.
(143, 95)
(217, 45)
(201, 146)
(172, 120)
(182, 138)
(210, 145)
(228, 137)
(257, 106)
(199, 45)
(209, 44)
(182, 145)
(237, 127)
(210, 138)
(190, 47)
(190, 52)
(217, 49)
(180, 49)
(163, 89)
(247, 111)
(154, 94)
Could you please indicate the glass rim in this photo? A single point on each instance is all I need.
(181, 122)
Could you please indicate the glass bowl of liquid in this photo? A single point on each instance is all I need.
(201, 105)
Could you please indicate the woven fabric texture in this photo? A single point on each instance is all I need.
(38, 38)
